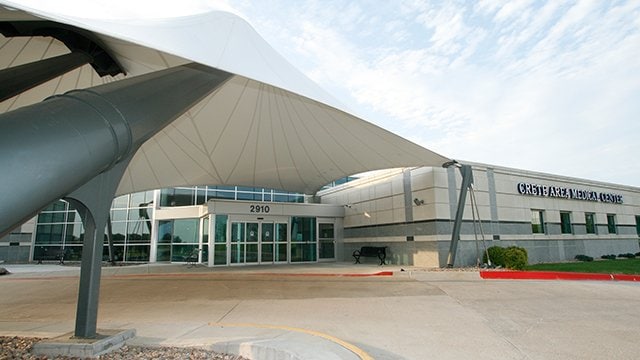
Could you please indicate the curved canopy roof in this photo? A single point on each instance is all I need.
(268, 126)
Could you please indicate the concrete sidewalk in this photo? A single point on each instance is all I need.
(316, 311)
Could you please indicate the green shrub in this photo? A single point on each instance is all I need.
(496, 254)
(608, 257)
(585, 258)
(627, 255)
(515, 258)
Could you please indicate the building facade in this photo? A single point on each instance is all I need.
(411, 211)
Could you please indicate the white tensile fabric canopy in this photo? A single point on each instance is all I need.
(268, 126)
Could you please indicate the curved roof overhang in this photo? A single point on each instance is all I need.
(268, 126)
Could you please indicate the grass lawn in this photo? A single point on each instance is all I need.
(617, 266)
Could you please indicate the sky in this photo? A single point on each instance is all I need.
(550, 86)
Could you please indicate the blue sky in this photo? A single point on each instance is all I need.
(551, 86)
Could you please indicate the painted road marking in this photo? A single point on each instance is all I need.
(354, 349)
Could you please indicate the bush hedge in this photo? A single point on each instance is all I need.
(585, 258)
(495, 254)
(513, 257)
(608, 257)
(627, 255)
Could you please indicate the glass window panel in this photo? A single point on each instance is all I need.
(326, 231)
(565, 223)
(166, 195)
(185, 231)
(248, 189)
(73, 253)
(120, 202)
(73, 216)
(45, 218)
(165, 229)
(49, 234)
(47, 253)
(280, 198)
(220, 254)
(252, 232)
(118, 253)
(267, 232)
(281, 232)
(221, 229)
(249, 196)
(136, 214)
(237, 253)
(589, 219)
(177, 197)
(297, 252)
(205, 253)
(267, 253)
(138, 232)
(137, 253)
(218, 194)
(237, 232)
(611, 224)
(252, 253)
(163, 253)
(327, 249)
(119, 231)
(303, 229)
(58, 205)
(537, 221)
(118, 215)
(281, 254)
(75, 233)
(205, 230)
(201, 195)
(138, 199)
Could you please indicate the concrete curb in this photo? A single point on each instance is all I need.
(67, 345)
(554, 275)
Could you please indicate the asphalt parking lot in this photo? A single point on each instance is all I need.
(412, 314)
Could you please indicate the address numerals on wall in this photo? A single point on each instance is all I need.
(259, 209)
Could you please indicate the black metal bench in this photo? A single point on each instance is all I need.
(192, 259)
(371, 251)
(43, 253)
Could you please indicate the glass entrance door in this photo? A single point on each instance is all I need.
(262, 241)
(244, 242)
(326, 241)
(273, 242)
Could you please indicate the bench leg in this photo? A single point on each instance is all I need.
(357, 259)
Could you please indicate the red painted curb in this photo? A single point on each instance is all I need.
(554, 275)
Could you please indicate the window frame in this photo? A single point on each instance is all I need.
(566, 227)
(612, 226)
(538, 228)
(590, 225)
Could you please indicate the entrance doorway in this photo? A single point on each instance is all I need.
(258, 241)
(326, 241)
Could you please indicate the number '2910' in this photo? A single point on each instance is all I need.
(259, 208)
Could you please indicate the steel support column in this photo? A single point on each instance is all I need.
(93, 202)
(17, 79)
(77, 146)
(467, 180)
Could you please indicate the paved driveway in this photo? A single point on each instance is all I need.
(413, 314)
